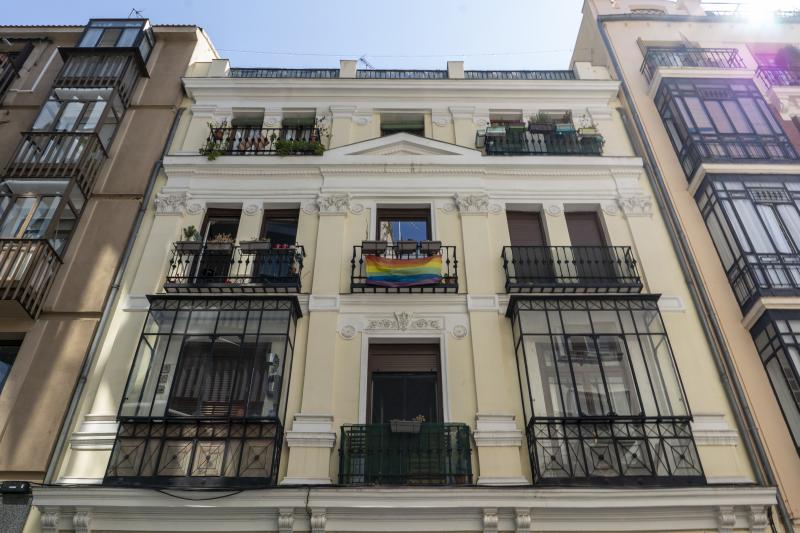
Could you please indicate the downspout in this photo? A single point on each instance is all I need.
(88, 361)
(722, 357)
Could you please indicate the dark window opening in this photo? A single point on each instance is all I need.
(398, 224)
(9, 348)
(412, 123)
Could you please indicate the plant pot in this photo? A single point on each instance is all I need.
(219, 246)
(188, 247)
(496, 131)
(542, 127)
(255, 245)
(430, 247)
(565, 128)
(373, 247)
(405, 426)
(406, 247)
(588, 132)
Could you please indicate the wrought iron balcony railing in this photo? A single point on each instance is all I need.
(733, 148)
(522, 142)
(195, 452)
(58, 154)
(754, 275)
(253, 140)
(197, 267)
(772, 76)
(114, 70)
(27, 269)
(406, 266)
(678, 57)
(614, 450)
(439, 454)
(560, 269)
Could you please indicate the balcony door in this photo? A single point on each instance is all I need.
(404, 383)
(531, 258)
(219, 227)
(276, 264)
(589, 259)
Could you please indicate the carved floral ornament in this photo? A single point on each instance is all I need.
(171, 203)
(636, 205)
(473, 204)
(401, 321)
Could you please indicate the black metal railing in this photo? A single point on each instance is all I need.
(118, 71)
(195, 452)
(559, 269)
(405, 280)
(733, 148)
(225, 268)
(522, 142)
(309, 73)
(438, 454)
(561, 75)
(754, 275)
(58, 154)
(254, 140)
(772, 76)
(27, 269)
(614, 450)
(689, 57)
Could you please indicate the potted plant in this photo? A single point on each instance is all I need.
(588, 127)
(541, 123)
(373, 247)
(222, 242)
(496, 131)
(191, 241)
(254, 245)
(407, 426)
(430, 247)
(406, 247)
(480, 138)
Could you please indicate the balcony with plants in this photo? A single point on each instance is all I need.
(570, 269)
(225, 139)
(205, 402)
(223, 266)
(602, 396)
(547, 133)
(404, 266)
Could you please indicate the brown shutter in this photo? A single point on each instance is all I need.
(584, 229)
(525, 228)
(403, 358)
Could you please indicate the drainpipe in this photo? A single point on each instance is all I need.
(88, 361)
(722, 357)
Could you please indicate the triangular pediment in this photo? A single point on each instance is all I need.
(403, 144)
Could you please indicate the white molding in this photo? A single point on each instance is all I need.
(483, 302)
(311, 431)
(496, 430)
(96, 432)
(136, 303)
(711, 429)
(304, 481)
(326, 302)
(371, 509)
(786, 99)
(671, 304)
(498, 481)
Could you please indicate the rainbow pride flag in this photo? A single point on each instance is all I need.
(403, 272)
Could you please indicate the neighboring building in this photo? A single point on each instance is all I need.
(387, 301)
(84, 116)
(714, 100)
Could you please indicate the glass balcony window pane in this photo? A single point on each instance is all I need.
(721, 122)
(739, 120)
(16, 216)
(90, 38)
(128, 37)
(109, 37)
(42, 216)
(47, 115)
(90, 119)
(69, 116)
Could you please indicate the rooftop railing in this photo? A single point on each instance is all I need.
(678, 57)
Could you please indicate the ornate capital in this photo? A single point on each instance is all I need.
(490, 520)
(285, 520)
(523, 520)
(726, 519)
(82, 521)
(362, 117)
(171, 204)
(472, 204)
(758, 519)
(318, 520)
(554, 210)
(49, 519)
(251, 209)
(636, 206)
(441, 118)
(333, 204)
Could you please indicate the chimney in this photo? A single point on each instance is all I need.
(455, 70)
(347, 68)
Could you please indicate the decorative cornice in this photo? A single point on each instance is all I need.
(171, 204)
(333, 204)
(496, 430)
(311, 431)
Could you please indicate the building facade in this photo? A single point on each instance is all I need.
(85, 115)
(369, 300)
(711, 99)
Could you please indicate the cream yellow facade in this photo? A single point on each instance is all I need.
(620, 35)
(339, 199)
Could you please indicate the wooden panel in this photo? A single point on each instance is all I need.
(403, 358)
(584, 229)
(525, 228)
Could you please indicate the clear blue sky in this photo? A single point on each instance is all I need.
(486, 34)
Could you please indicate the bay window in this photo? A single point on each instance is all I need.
(210, 376)
(754, 222)
(720, 120)
(601, 391)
